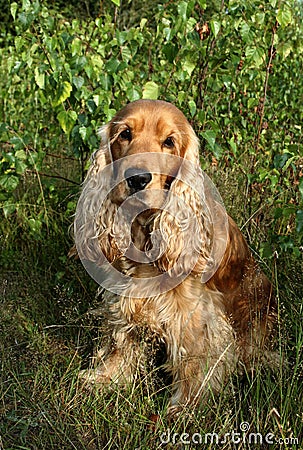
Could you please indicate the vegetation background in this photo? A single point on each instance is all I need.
(235, 69)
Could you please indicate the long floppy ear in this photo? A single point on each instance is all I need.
(184, 226)
(186, 232)
(192, 148)
(193, 223)
(95, 211)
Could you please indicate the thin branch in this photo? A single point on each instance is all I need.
(52, 155)
(43, 49)
(55, 176)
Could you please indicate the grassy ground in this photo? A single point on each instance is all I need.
(47, 335)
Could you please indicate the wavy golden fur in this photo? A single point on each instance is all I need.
(208, 323)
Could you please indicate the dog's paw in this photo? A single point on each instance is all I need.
(94, 377)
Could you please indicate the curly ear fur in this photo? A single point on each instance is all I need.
(185, 227)
(93, 227)
(188, 247)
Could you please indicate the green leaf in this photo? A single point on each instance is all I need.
(278, 213)
(26, 4)
(280, 160)
(112, 65)
(217, 151)
(190, 26)
(67, 120)
(14, 7)
(19, 43)
(78, 82)
(24, 19)
(266, 250)
(76, 47)
(288, 211)
(51, 43)
(17, 142)
(290, 161)
(82, 132)
(143, 23)
(3, 128)
(97, 99)
(35, 225)
(192, 108)
(285, 49)
(233, 145)
(150, 90)
(132, 93)
(245, 32)
(63, 93)
(202, 4)
(116, 2)
(210, 137)
(181, 97)
(10, 158)
(259, 18)
(284, 16)
(8, 208)
(252, 102)
(182, 9)
(167, 31)
(126, 54)
(21, 155)
(39, 78)
(188, 66)
(215, 27)
(255, 55)
(20, 167)
(121, 36)
(9, 182)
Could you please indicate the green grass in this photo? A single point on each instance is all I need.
(47, 335)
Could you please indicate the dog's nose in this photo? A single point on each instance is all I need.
(137, 179)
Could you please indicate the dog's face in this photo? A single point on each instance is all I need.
(145, 199)
(143, 136)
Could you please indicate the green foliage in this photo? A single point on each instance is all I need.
(238, 86)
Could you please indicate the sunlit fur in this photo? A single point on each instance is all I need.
(207, 328)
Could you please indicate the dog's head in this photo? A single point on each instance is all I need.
(140, 142)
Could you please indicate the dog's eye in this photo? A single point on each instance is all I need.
(126, 135)
(168, 182)
(169, 142)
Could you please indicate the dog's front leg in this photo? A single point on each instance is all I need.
(195, 378)
(201, 353)
(118, 365)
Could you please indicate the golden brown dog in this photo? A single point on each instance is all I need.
(152, 230)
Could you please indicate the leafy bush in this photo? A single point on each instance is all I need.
(229, 68)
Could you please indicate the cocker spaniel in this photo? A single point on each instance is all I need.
(151, 229)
